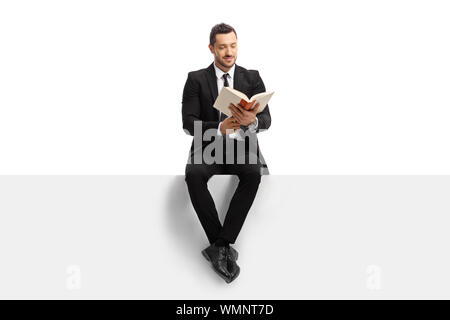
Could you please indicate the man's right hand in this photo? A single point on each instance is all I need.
(229, 123)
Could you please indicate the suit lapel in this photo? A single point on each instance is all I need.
(237, 78)
(212, 82)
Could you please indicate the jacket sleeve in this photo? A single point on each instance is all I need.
(264, 118)
(191, 108)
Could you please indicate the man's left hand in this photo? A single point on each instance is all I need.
(243, 116)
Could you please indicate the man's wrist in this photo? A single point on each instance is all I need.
(254, 125)
(219, 133)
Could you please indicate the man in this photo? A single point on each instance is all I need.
(231, 143)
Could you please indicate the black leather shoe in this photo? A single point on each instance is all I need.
(232, 266)
(235, 271)
(233, 253)
(218, 256)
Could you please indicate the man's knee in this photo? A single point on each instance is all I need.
(253, 175)
(196, 174)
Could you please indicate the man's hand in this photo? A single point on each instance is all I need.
(229, 123)
(243, 116)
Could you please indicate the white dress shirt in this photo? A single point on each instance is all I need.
(220, 82)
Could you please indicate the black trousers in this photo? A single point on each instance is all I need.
(197, 176)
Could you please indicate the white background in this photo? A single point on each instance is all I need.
(95, 86)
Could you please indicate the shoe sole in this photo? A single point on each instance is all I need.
(227, 280)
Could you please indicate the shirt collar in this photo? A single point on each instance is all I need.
(220, 73)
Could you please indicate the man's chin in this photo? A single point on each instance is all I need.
(228, 63)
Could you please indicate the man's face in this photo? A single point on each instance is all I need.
(225, 49)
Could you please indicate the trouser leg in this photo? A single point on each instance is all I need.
(197, 176)
(249, 180)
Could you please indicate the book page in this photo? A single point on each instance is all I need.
(238, 93)
(263, 99)
(229, 95)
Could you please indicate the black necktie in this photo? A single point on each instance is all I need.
(225, 80)
(225, 84)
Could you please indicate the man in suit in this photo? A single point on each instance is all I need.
(223, 145)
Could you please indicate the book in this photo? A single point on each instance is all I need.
(229, 95)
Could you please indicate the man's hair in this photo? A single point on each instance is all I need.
(220, 28)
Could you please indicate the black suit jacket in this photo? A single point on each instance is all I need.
(200, 92)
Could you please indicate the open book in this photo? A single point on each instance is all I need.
(229, 95)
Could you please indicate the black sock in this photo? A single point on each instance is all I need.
(221, 243)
